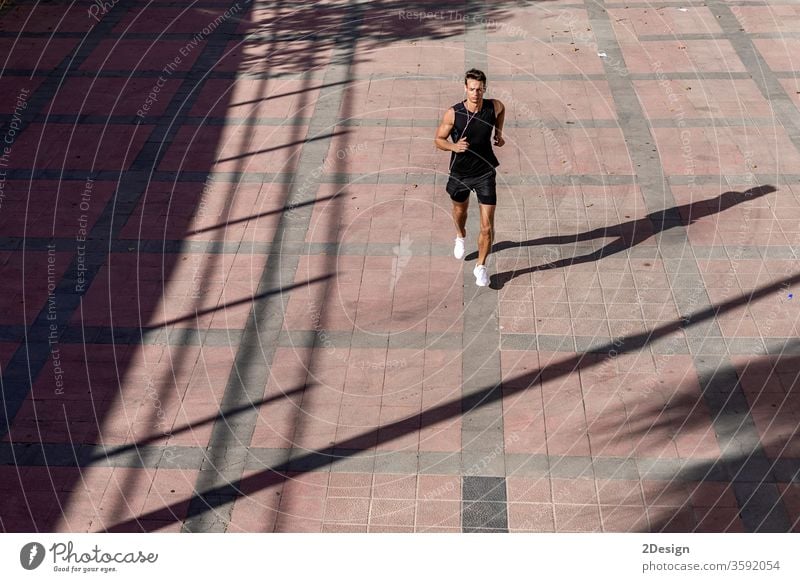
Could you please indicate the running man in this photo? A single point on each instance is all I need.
(472, 163)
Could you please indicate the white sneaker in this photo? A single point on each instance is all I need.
(481, 276)
(458, 250)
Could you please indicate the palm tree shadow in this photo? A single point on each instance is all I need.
(629, 234)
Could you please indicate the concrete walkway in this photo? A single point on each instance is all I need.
(230, 301)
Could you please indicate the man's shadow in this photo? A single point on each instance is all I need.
(629, 234)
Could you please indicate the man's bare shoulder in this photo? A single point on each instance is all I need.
(449, 117)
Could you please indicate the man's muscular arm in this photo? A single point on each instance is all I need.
(500, 116)
(443, 133)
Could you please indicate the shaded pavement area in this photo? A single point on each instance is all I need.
(230, 302)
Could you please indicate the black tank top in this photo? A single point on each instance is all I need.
(479, 159)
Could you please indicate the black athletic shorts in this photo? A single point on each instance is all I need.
(485, 187)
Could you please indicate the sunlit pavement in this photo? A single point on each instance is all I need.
(230, 301)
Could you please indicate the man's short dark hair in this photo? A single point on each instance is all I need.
(475, 75)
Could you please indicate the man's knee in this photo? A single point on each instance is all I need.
(487, 229)
(460, 209)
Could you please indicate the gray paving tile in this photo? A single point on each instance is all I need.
(571, 467)
(397, 462)
(435, 463)
(483, 489)
(484, 517)
(267, 459)
(482, 463)
(615, 468)
(527, 465)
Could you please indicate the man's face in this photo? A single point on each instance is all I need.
(475, 90)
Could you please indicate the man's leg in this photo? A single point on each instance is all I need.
(486, 237)
(459, 195)
(460, 217)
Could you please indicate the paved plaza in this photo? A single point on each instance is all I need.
(230, 302)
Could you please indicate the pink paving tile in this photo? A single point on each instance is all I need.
(529, 490)
(549, 23)
(770, 19)
(230, 212)
(349, 485)
(434, 529)
(393, 512)
(291, 524)
(81, 147)
(780, 54)
(614, 492)
(438, 488)
(26, 279)
(400, 429)
(710, 494)
(390, 486)
(36, 53)
(565, 100)
(735, 150)
(347, 510)
(399, 98)
(707, 98)
(127, 492)
(18, 519)
(169, 495)
(681, 56)
(624, 518)
(585, 151)
(19, 90)
(441, 440)
(566, 439)
(531, 517)
(665, 494)
(305, 508)
(344, 528)
(790, 496)
(577, 518)
(61, 208)
(311, 484)
(436, 513)
(171, 20)
(252, 98)
(509, 58)
(146, 299)
(792, 88)
(421, 57)
(237, 148)
(718, 519)
(47, 19)
(112, 96)
(261, 57)
(78, 515)
(574, 491)
(303, 20)
(142, 55)
(635, 22)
